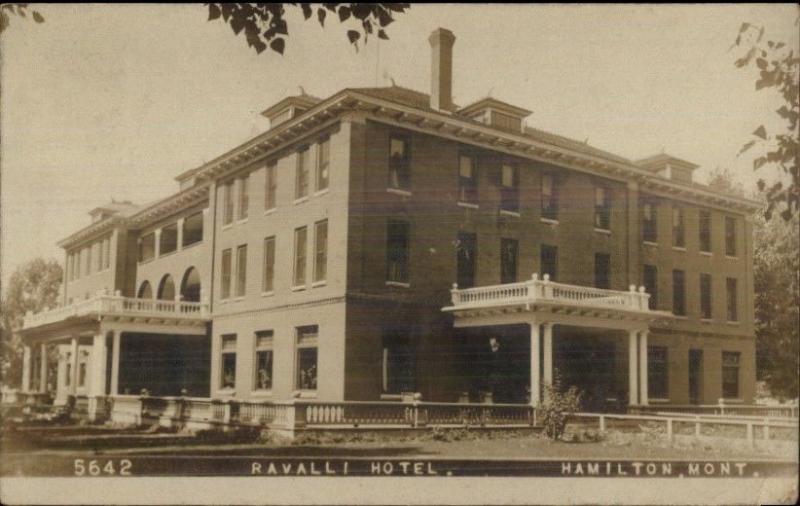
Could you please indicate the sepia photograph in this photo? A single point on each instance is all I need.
(391, 253)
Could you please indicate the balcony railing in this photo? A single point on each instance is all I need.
(105, 304)
(538, 290)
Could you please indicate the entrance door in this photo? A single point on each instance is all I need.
(588, 363)
(695, 375)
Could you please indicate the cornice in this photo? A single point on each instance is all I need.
(168, 206)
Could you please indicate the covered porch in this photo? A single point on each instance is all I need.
(109, 344)
(519, 334)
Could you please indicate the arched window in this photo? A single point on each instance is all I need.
(166, 289)
(190, 286)
(145, 291)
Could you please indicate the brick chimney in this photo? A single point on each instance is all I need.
(442, 41)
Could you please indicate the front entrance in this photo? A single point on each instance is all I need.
(589, 364)
(496, 364)
(164, 365)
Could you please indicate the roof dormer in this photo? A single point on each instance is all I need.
(669, 167)
(289, 108)
(497, 114)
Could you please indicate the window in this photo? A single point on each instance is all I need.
(549, 261)
(299, 273)
(730, 374)
(399, 170)
(705, 231)
(730, 236)
(549, 197)
(399, 362)
(732, 302)
(649, 221)
(323, 163)
(602, 271)
(320, 251)
(244, 197)
(82, 373)
(307, 357)
(168, 241)
(268, 282)
(227, 203)
(301, 177)
(107, 254)
(650, 282)
(678, 293)
(228, 362)
(68, 371)
(466, 259)
(226, 274)
(270, 186)
(657, 372)
(467, 179)
(241, 270)
(509, 188)
(705, 296)
(193, 229)
(263, 369)
(678, 228)
(509, 251)
(602, 208)
(397, 251)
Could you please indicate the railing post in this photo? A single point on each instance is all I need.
(697, 431)
(750, 439)
(721, 406)
(226, 412)
(415, 414)
(602, 423)
(454, 295)
(766, 429)
(546, 288)
(669, 429)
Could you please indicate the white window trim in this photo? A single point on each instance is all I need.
(679, 248)
(650, 243)
(398, 284)
(398, 191)
(706, 253)
(728, 257)
(513, 214)
(605, 231)
(467, 205)
(322, 192)
(549, 221)
(300, 200)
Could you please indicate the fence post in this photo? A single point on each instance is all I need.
(669, 429)
(415, 414)
(226, 412)
(766, 429)
(750, 440)
(697, 428)
(602, 423)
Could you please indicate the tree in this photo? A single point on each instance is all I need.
(264, 25)
(779, 70)
(777, 303)
(20, 10)
(33, 286)
(722, 180)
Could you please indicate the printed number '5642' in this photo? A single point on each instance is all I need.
(98, 467)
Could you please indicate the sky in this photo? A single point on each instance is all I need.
(114, 101)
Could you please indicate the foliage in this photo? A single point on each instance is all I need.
(777, 303)
(723, 180)
(264, 24)
(558, 406)
(779, 69)
(20, 10)
(34, 286)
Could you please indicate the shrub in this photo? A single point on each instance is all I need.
(558, 406)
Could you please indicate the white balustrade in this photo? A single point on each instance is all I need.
(104, 304)
(544, 290)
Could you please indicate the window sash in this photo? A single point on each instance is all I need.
(168, 240)
(226, 273)
(509, 255)
(549, 197)
(650, 282)
(549, 261)
(241, 270)
(301, 179)
(268, 282)
(271, 185)
(705, 231)
(227, 202)
(732, 299)
(705, 296)
(730, 374)
(399, 170)
(466, 259)
(397, 254)
(300, 245)
(244, 197)
(147, 247)
(602, 208)
(658, 372)
(320, 250)
(678, 293)
(678, 228)
(323, 164)
(263, 369)
(399, 363)
(467, 179)
(649, 222)
(730, 237)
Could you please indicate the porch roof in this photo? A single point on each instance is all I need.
(547, 301)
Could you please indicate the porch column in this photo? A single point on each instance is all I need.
(43, 369)
(643, 368)
(548, 354)
(26, 368)
(536, 365)
(115, 363)
(73, 380)
(97, 376)
(633, 368)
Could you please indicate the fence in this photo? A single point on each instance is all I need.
(700, 425)
(787, 411)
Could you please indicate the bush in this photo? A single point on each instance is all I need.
(558, 406)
